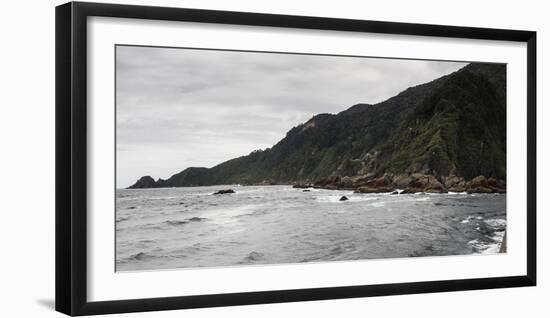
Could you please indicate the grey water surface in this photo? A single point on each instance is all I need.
(190, 227)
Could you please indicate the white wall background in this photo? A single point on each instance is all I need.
(27, 158)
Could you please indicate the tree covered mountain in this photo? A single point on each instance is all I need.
(452, 126)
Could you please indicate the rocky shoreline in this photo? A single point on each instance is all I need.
(412, 183)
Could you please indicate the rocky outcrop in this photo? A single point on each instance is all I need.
(455, 183)
(330, 182)
(480, 184)
(424, 183)
(302, 185)
(343, 198)
(376, 185)
(412, 183)
(144, 182)
(402, 181)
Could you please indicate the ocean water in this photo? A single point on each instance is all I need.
(189, 227)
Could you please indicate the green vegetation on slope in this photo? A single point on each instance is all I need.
(460, 129)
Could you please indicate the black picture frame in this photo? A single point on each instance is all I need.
(71, 157)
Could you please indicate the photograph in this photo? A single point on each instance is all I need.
(237, 158)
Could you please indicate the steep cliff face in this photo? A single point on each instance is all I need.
(454, 125)
(459, 130)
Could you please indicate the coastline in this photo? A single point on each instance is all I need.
(386, 183)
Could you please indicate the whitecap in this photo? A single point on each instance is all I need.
(332, 198)
(488, 247)
(378, 204)
(467, 219)
(361, 198)
(496, 222)
(122, 219)
(493, 248)
(481, 247)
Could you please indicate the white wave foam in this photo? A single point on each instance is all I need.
(496, 222)
(467, 219)
(361, 198)
(378, 204)
(488, 248)
(495, 247)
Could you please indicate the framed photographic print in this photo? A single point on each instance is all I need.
(213, 158)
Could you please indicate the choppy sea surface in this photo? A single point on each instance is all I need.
(190, 227)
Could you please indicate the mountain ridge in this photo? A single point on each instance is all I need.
(454, 125)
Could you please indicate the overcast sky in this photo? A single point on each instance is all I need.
(179, 108)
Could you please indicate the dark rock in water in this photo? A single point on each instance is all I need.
(306, 190)
(138, 256)
(197, 219)
(343, 198)
(175, 222)
(394, 192)
(182, 222)
(226, 191)
(302, 186)
(132, 207)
